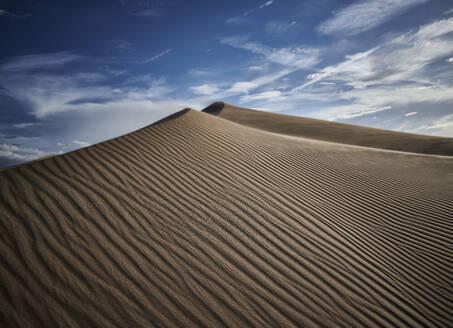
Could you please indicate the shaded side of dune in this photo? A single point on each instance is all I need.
(333, 131)
(201, 222)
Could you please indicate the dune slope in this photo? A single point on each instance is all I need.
(333, 131)
(198, 221)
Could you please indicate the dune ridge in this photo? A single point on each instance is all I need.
(199, 221)
(333, 131)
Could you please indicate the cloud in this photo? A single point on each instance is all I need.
(27, 125)
(84, 106)
(348, 112)
(242, 87)
(442, 126)
(405, 73)
(151, 59)
(205, 89)
(81, 143)
(149, 13)
(267, 3)
(403, 59)
(279, 28)
(350, 68)
(40, 61)
(365, 15)
(410, 114)
(271, 94)
(144, 8)
(450, 60)
(296, 57)
(4, 13)
(123, 46)
(257, 68)
(199, 72)
(16, 153)
(242, 18)
(448, 12)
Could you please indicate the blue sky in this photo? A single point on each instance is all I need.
(74, 73)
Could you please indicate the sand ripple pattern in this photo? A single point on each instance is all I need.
(198, 221)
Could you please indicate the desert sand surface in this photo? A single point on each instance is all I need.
(232, 218)
(333, 131)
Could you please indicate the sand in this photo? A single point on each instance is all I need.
(232, 218)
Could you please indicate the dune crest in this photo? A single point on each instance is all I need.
(333, 131)
(205, 220)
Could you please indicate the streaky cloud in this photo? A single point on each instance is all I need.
(365, 15)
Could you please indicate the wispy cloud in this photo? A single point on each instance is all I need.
(409, 69)
(149, 13)
(13, 152)
(4, 13)
(242, 18)
(365, 15)
(442, 126)
(297, 57)
(267, 3)
(348, 111)
(200, 72)
(27, 125)
(123, 46)
(271, 94)
(279, 28)
(40, 61)
(144, 8)
(84, 106)
(205, 89)
(81, 143)
(153, 58)
(410, 114)
(448, 12)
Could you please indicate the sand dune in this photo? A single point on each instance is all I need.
(333, 131)
(231, 220)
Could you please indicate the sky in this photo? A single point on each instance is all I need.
(74, 73)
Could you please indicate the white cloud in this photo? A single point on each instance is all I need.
(442, 126)
(405, 70)
(352, 68)
(410, 114)
(401, 59)
(348, 112)
(450, 60)
(83, 106)
(199, 72)
(153, 58)
(205, 89)
(257, 68)
(448, 12)
(296, 57)
(267, 3)
(26, 125)
(242, 18)
(242, 87)
(364, 15)
(14, 152)
(268, 95)
(40, 61)
(81, 143)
